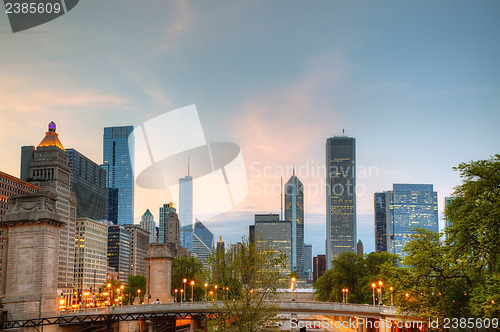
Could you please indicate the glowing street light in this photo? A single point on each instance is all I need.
(293, 288)
(182, 294)
(380, 284)
(192, 290)
(175, 298)
(184, 281)
(392, 290)
(206, 287)
(215, 287)
(373, 288)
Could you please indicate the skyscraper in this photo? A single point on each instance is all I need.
(340, 196)
(186, 211)
(308, 258)
(409, 206)
(88, 182)
(271, 232)
(139, 241)
(91, 250)
(447, 201)
(118, 159)
(294, 212)
(49, 170)
(148, 223)
(203, 241)
(119, 251)
(169, 224)
(380, 222)
(359, 248)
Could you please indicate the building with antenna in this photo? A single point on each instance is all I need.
(186, 210)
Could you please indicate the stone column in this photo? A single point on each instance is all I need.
(29, 278)
(159, 272)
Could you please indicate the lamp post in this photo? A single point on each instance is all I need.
(392, 290)
(139, 295)
(176, 291)
(343, 295)
(373, 288)
(206, 287)
(293, 288)
(184, 282)
(215, 287)
(182, 294)
(192, 290)
(379, 290)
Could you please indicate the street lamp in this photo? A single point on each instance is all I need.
(345, 292)
(175, 298)
(373, 288)
(192, 290)
(380, 284)
(293, 288)
(216, 292)
(392, 290)
(182, 294)
(206, 287)
(184, 281)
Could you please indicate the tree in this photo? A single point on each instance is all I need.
(191, 269)
(246, 279)
(136, 286)
(354, 272)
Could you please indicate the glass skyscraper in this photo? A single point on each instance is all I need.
(203, 242)
(169, 224)
(340, 196)
(380, 222)
(118, 158)
(186, 211)
(409, 206)
(294, 212)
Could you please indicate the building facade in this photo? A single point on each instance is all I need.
(49, 169)
(91, 251)
(88, 182)
(447, 201)
(186, 211)
(276, 234)
(118, 159)
(409, 206)
(308, 258)
(203, 241)
(380, 206)
(340, 196)
(359, 248)
(148, 223)
(119, 251)
(12, 186)
(319, 266)
(139, 241)
(294, 212)
(169, 224)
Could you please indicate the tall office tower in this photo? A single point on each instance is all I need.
(148, 223)
(203, 242)
(49, 170)
(251, 233)
(91, 251)
(294, 212)
(88, 182)
(359, 248)
(380, 206)
(169, 224)
(139, 242)
(319, 266)
(119, 251)
(186, 211)
(447, 201)
(409, 206)
(308, 259)
(272, 232)
(340, 196)
(118, 159)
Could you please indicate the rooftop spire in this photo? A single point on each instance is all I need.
(50, 138)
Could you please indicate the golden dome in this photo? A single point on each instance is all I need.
(50, 138)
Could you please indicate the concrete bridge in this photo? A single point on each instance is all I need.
(130, 318)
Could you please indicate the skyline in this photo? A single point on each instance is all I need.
(417, 85)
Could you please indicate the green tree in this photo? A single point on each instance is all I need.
(354, 272)
(247, 279)
(136, 286)
(191, 269)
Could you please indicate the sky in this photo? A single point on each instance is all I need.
(417, 83)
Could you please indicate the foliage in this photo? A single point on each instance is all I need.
(191, 269)
(354, 272)
(459, 277)
(134, 283)
(243, 281)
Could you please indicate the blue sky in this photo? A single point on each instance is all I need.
(417, 83)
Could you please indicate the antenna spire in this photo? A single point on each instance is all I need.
(281, 198)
